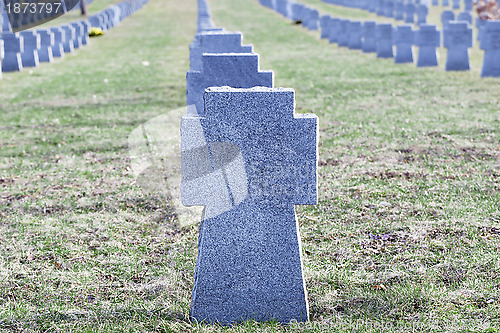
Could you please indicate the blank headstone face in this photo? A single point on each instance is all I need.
(249, 160)
(384, 40)
(369, 38)
(325, 26)
(399, 10)
(13, 46)
(465, 16)
(427, 38)
(313, 19)
(57, 48)
(389, 8)
(46, 43)
(236, 70)
(69, 36)
(490, 43)
(457, 38)
(404, 38)
(215, 42)
(422, 12)
(29, 56)
(456, 4)
(343, 33)
(410, 13)
(446, 3)
(446, 17)
(354, 35)
(468, 5)
(334, 30)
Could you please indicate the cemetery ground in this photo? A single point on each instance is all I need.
(406, 234)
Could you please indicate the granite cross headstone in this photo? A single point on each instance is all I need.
(422, 11)
(490, 43)
(428, 38)
(399, 13)
(249, 160)
(343, 33)
(446, 17)
(355, 35)
(334, 30)
(384, 40)
(29, 56)
(410, 13)
(46, 43)
(69, 36)
(13, 46)
(236, 70)
(465, 16)
(404, 40)
(457, 38)
(57, 48)
(456, 4)
(369, 38)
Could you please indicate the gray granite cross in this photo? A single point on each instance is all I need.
(249, 160)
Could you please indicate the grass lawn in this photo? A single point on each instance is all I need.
(406, 235)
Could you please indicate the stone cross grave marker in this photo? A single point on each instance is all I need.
(435, 2)
(457, 38)
(399, 13)
(404, 39)
(490, 43)
(465, 16)
(410, 13)
(446, 3)
(343, 36)
(13, 46)
(29, 56)
(355, 35)
(456, 4)
(57, 48)
(237, 70)
(384, 40)
(46, 43)
(249, 160)
(334, 30)
(380, 7)
(389, 8)
(369, 38)
(69, 36)
(422, 11)
(446, 17)
(468, 4)
(215, 42)
(427, 38)
(312, 19)
(324, 23)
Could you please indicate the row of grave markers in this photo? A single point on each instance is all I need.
(238, 137)
(369, 36)
(30, 47)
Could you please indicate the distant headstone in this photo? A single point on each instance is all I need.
(465, 16)
(215, 42)
(219, 69)
(422, 11)
(355, 35)
(324, 23)
(57, 48)
(380, 7)
(13, 46)
(457, 38)
(313, 20)
(77, 41)
(404, 40)
(446, 3)
(68, 37)
(468, 5)
(334, 30)
(2, 55)
(389, 8)
(46, 44)
(369, 38)
(490, 43)
(249, 160)
(343, 37)
(427, 38)
(480, 24)
(435, 2)
(85, 32)
(399, 13)
(456, 4)
(410, 13)
(384, 40)
(446, 17)
(29, 56)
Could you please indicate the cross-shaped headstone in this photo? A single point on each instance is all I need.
(446, 17)
(384, 40)
(403, 40)
(410, 13)
(422, 11)
(465, 16)
(355, 35)
(369, 38)
(46, 44)
(490, 43)
(324, 23)
(468, 5)
(399, 10)
(29, 56)
(313, 19)
(343, 33)
(435, 2)
(334, 30)
(457, 38)
(380, 7)
(427, 38)
(13, 46)
(480, 24)
(77, 41)
(57, 48)
(446, 3)
(239, 70)
(69, 36)
(456, 4)
(249, 160)
(215, 42)
(389, 8)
